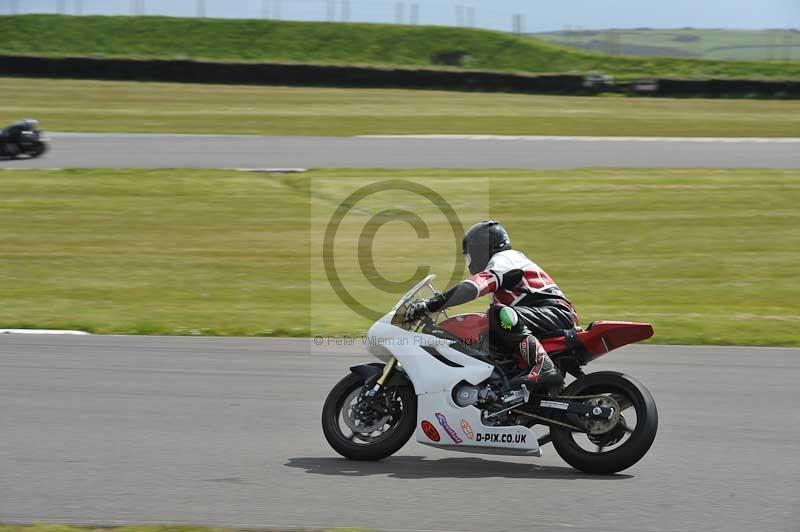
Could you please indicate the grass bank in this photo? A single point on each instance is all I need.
(104, 106)
(340, 43)
(708, 256)
(727, 44)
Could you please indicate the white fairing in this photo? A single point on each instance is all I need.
(441, 422)
(461, 429)
(428, 374)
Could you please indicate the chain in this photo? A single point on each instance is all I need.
(541, 418)
(566, 397)
(556, 397)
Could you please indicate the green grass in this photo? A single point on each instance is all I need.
(338, 43)
(65, 105)
(708, 256)
(773, 44)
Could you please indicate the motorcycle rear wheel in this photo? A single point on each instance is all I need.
(375, 445)
(9, 150)
(626, 445)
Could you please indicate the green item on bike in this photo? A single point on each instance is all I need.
(508, 318)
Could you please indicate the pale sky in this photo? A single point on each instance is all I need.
(539, 15)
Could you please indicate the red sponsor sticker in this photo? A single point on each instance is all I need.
(430, 431)
(466, 428)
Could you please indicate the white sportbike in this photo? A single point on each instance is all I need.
(444, 381)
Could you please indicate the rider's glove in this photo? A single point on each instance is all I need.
(417, 309)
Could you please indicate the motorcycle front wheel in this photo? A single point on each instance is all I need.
(37, 150)
(609, 449)
(360, 427)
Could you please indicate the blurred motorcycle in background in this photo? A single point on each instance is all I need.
(23, 138)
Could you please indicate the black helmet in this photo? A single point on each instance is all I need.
(483, 240)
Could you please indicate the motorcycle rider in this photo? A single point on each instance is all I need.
(517, 315)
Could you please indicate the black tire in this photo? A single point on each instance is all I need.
(388, 444)
(629, 451)
(38, 150)
(11, 150)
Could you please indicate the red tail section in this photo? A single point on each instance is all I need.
(604, 336)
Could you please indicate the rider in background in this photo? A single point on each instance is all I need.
(517, 316)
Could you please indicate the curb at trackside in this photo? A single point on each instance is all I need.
(41, 331)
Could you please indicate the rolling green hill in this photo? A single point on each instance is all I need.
(770, 45)
(339, 43)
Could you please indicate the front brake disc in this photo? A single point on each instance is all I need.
(357, 415)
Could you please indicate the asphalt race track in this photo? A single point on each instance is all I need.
(88, 150)
(226, 431)
(105, 429)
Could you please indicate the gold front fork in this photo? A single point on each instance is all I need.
(387, 370)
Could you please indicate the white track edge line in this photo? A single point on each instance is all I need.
(724, 140)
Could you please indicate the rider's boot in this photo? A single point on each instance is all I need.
(543, 372)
